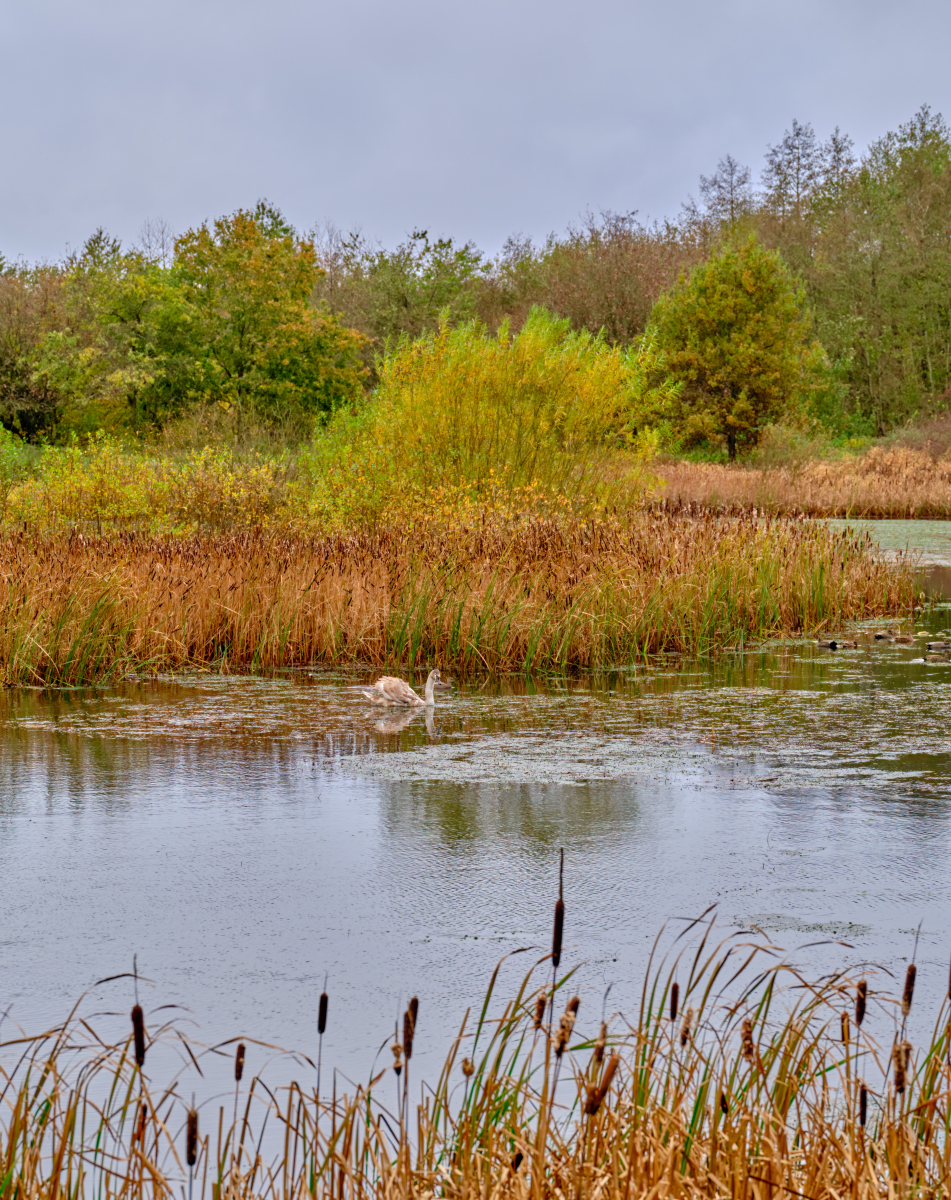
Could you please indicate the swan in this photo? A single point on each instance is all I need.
(391, 691)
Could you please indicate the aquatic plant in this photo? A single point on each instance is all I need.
(897, 482)
(763, 1088)
(492, 593)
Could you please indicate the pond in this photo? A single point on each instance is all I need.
(250, 838)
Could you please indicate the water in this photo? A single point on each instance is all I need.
(248, 838)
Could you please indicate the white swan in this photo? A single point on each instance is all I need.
(391, 691)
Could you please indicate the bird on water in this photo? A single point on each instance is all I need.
(389, 690)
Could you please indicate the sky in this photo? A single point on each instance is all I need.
(474, 121)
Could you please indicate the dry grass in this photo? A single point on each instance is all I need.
(897, 482)
(754, 1082)
(490, 594)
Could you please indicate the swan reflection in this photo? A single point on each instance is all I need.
(396, 724)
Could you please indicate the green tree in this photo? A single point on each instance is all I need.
(246, 334)
(736, 334)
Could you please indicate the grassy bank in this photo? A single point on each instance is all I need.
(885, 482)
(738, 1077)
(472, 591)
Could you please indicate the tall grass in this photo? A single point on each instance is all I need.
(474, 593)
(739, 1076)
(884, 482)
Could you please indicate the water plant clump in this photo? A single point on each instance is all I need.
(768, 1081)
(488, 592)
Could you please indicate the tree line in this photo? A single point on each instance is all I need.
(850, 255)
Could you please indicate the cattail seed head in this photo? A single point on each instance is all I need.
(539, 1014)
(601, 1043)
(414, 1009)
(468, 1067)
(397, 1057)
(749, 1049)
(597, 1093)
(845, 1028)
(565, 1026)
(239, 1062)
(191, 1138)
(674, 997)
(909, 991)
(408, 1032)
(724, 1106)
(558, 933)
(322, 1013)
(861, 992)
(686, 1030)
(902, 1058)
(138, 1034)
(863, 1104)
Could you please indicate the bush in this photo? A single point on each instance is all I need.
(548, 408)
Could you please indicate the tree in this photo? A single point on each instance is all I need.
(737, 335)
(793, 169)
(255, 341)
(728, 193)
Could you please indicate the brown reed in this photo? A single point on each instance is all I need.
(909, 990)
(719, 1118)
(884, 482)
(490, 595)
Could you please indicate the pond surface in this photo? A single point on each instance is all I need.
(250, 838)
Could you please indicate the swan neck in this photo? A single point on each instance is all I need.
(430, 698)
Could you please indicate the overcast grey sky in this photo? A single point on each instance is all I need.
(470, 120)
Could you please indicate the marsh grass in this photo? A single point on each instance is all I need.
(766, 1090)
(897, 481)
(496, 594)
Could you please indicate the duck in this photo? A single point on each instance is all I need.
(835, 644)
(942, 645)
(903, 639)
(390, 691)
(941, 658)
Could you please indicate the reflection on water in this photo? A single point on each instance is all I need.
(247, 837)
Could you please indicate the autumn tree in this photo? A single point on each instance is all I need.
(737, 336)
(252, 338)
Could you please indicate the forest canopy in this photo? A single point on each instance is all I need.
(847, 327)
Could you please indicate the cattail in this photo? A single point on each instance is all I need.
(909, 990)
(724, 1106)
(674, 997)
(597, 1093)
(565, 1026)
(397, 1057)
(322, 1013)
(239, 1062)
(601, 1043)
(191, 1138)
(687, 1028)
(845, 1028)
(138, 1033)
(414, 1009)
(902, 1058)
(863, 1104)
(468, 1067)
(559, 918)
(860, 994)
(408, 1034)
(539, 1014)
(749, 1049)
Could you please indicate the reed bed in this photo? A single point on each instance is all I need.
(899, 482)
(487, 594)
(738, 1077)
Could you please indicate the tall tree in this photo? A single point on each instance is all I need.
(793, 169)
(739, 339)
(727, 194)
